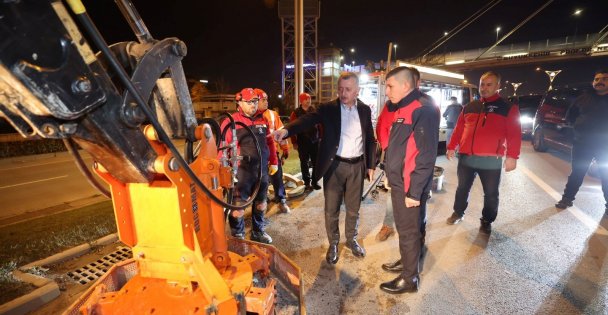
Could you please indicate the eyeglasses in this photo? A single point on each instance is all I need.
(252, 102)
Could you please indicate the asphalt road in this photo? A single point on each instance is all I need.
(538, 259)
(29, 185)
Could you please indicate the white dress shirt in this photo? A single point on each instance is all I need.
(351, 137)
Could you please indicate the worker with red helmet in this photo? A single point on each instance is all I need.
(307, 143)
(275, 123)
(247, 175)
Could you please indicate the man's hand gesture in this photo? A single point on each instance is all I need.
(279, 135)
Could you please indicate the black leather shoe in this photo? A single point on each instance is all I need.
(332, 254)
(396, 266)
(485, 227)
(400, 285)
(563, 204)
(357, 249)
(316, 186)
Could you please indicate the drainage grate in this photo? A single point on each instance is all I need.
(96, 269)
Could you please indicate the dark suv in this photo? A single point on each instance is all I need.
(550, 127)
(528, 104)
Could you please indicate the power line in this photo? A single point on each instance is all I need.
(515, 28)
(458, 28)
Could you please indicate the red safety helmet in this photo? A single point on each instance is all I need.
(246, 94)
(304, 96)
(261, 94)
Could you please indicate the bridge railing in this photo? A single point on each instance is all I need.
(562, 44)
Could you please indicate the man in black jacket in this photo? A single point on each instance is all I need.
(589, 116)
(410, 160)
(307, 142)
(346, 151)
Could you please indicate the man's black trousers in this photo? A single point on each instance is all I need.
(307, 150)
(488, 168)
(411, 227)
(582, 155)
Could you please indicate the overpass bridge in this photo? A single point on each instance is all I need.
(532, 52)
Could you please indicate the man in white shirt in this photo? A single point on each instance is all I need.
(346, 156)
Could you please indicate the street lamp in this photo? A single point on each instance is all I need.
(576, 14)
(515, 86)
(497, 30)
(552, 75)
(395, 46)
(445, 33)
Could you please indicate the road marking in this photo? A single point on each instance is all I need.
(580, 215)
(34, 181)
(71, 160)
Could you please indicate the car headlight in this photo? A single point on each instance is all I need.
(526, 120)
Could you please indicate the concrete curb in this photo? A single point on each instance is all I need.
(31, 301)
(47, 289)
(70, 253)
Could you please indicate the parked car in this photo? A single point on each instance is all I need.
(550, 128)
(528, 104)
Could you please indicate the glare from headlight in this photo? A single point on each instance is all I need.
(526, 120)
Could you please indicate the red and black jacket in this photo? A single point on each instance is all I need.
(259, 125)
(412, 144)
(488, 127)
(312, 135)
(383, 126)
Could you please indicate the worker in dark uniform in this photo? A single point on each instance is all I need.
(589, 117)
(307, 143)
(410, 160)
(247, 101)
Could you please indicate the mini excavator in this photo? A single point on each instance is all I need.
(124, 105)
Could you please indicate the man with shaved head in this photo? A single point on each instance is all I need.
(410, 160)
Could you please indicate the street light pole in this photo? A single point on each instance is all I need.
(576, 14)
(395, 46)
(497, 30)
(552, 75)
(515, 87)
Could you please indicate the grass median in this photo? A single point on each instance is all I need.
(28, 241)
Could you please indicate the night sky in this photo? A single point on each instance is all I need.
(239, 41)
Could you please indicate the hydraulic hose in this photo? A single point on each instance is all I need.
(82, 16)
(71, 146)
(259, 154)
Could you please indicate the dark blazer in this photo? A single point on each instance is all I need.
(328, 115)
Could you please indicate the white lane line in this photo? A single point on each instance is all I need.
(580, 215)
(42, 164)
(34, 181)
